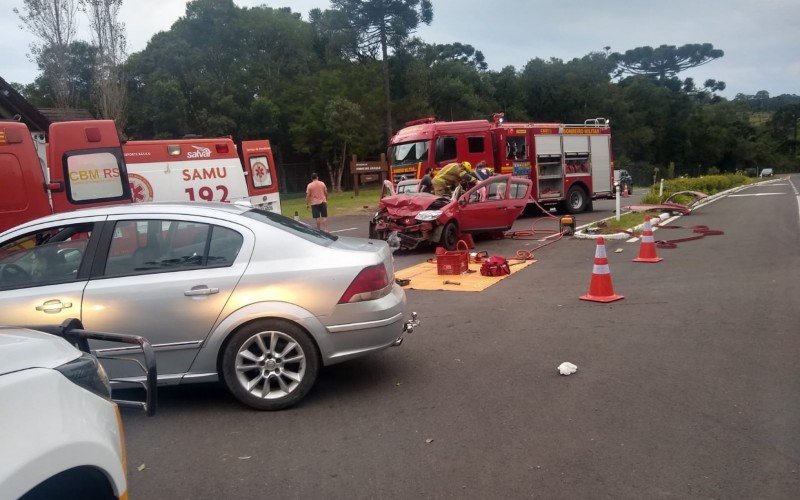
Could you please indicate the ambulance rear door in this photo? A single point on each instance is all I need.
(262, 178)
(86, 165)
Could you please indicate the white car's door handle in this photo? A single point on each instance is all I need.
(53, 306)
(200, 290)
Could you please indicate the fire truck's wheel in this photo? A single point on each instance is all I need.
(449, 236)
(576, 200)
(270, 364)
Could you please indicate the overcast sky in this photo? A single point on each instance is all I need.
(761, 39)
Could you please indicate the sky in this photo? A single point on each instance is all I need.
(761, 39)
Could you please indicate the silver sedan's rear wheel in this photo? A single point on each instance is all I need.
(270, 364)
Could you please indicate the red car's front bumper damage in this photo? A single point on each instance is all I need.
(411, 235)
(397, 215)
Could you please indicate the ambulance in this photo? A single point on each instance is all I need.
(202, 170)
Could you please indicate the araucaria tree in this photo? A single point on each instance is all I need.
(665, 61)
(385, 24)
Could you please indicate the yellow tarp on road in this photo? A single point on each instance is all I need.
(424, 277)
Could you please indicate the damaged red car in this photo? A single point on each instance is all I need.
(491, 205)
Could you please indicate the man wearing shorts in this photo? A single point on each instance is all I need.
(317, 197)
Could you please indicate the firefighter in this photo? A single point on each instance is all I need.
(451, 176)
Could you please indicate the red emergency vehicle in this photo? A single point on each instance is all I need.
(83, 165)
(86, 169)
(569, 165)
(202, 170)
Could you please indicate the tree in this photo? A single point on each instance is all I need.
(108, 35)
(665, 61)
(79, 64)
(334, 38)
(232, 67)
(463, 53)
(385, 24)
(53, 23)
(784, 128)
(343, 123)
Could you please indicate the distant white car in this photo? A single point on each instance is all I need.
(767, 172)
(61, 434)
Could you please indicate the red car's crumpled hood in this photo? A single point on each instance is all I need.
(407, 205)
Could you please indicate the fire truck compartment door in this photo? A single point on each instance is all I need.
(576, 144)
(601, 163)
(548, 145)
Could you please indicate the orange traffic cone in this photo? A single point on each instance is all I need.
(647, 248)
(624, 190)
(600, 288)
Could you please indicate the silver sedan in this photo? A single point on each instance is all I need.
(220, 290)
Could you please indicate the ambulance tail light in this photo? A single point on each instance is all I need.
(222, 148)
(370, 284)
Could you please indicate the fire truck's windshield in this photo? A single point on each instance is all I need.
(409, 153)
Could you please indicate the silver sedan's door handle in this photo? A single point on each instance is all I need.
(200, 290)
(53, 306)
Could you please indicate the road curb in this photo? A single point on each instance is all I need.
(580, 233)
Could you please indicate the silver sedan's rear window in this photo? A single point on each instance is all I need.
(291, 226)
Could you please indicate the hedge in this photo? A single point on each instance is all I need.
(708, 184)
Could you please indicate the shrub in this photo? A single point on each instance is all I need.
(709, 184)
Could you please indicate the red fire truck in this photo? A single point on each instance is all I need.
(569, 165)
(84, 165)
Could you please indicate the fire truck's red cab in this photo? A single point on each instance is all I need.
(569, 165)
(202, 170)
(85, 168)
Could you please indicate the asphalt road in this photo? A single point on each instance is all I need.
(687, 388)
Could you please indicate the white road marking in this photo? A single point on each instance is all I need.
(797, 196)
(343, 230)
(751, 194)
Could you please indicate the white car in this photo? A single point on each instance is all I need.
(61, 435)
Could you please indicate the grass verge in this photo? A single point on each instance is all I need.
(625, 222)
(344, 203)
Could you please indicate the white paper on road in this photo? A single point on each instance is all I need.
(567, 368)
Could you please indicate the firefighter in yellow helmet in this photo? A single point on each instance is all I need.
(451, 176)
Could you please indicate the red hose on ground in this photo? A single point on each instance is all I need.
(533, 233)
(701, 231)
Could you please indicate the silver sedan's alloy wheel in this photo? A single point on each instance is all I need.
(270, 365)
